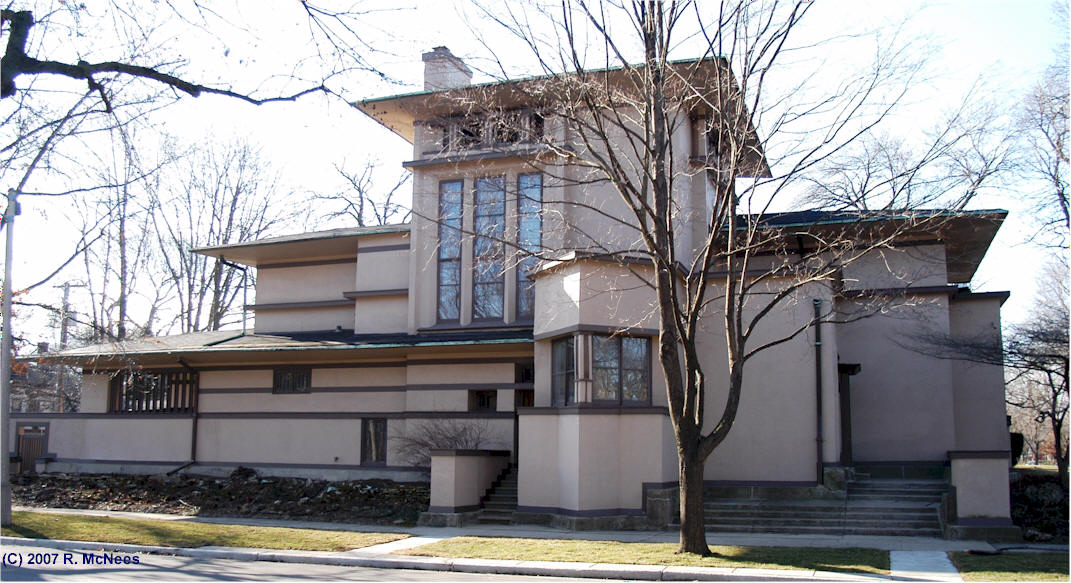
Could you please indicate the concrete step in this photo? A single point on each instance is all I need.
(828, 521)
(510, 506)
(926, 514)
(900, 484)
(790, 507)
(919, 498)
(825, 530)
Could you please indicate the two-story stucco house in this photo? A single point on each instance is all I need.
(364, 336)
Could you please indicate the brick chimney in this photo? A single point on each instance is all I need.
(442, 70)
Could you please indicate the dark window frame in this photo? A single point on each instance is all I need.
(563, 374)
(525, 287)
(368, 456)
(153, 391)
(483, 400)
(620, 400)
(449, 257)
(291, 380)
(494, 261)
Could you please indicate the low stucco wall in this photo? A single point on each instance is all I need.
(591, 463)
(981, 486)
(459, 478)
(115, 438)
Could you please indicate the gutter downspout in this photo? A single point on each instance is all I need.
(245, 287)
(196, 402)
(819, 439)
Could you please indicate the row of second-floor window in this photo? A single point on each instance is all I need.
(152, 391)
(492, 254)
(487, 131)
(620, 368)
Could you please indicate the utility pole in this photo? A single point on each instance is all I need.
(65, 319)
(5, 363)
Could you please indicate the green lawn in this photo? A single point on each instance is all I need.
(526, 549)
(181, 533)
(1012, 566)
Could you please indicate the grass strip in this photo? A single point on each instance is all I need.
(181, 533)
(850, 560)
(1012, 566)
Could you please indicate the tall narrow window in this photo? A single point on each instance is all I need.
(450, 250)
(621, 369)
(529, 239)
(563, 372)
(488, 252)
(374, 441)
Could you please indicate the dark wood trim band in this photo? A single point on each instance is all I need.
(301, 305)
(595, 513)
(352, 295)
(102, 416)
(452, 509)
(992, 454)
(594, 409)
(312, 263)
(596, 329)
(357, 415)
(900, 291)
(470, 452)
(382, 248)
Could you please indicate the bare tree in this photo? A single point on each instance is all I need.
(1044, 128)
(616, 100)
(415, 446)
(218, 195)
(363, 201)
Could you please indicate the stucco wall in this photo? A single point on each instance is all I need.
(902, 400)
(593, 461)
(979, 388)
(124, 439)
(304, 319)
(981, 487)
(94, 393)
(305, 283)
(914, 266)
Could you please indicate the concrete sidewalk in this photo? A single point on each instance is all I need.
(912, 559)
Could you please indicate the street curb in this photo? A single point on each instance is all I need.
(483, 566)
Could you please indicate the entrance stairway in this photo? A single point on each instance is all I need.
(872, 507)
(500, 501)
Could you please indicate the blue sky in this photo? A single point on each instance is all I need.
(1006, 43)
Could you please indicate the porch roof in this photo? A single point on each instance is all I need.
(233, 345)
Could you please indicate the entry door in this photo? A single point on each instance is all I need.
(31, 447)
(846, 371)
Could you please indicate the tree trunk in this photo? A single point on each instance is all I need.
(693, 527)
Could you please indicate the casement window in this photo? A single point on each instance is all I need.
(483, 401)
(291, 379)
(489, 130)
(152, 392)
(621, 369)
(488, 250)
(449, 298)
(529, 239)
(563, 372)
(373, 442)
